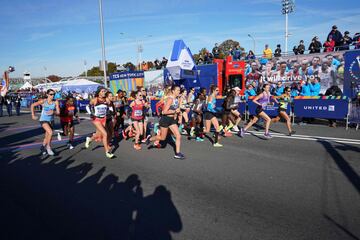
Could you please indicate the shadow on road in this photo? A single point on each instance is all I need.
(57, 198)
(349, 173)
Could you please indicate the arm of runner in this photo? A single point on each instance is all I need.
(38, 103)
(255, 100)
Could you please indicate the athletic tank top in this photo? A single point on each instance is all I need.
(47, 113)
(283, 103)
(101, 109)
(265, 99)
(174, 104)
(137, 111)
(213, 105)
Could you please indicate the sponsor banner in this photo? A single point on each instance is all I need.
(354, 114)
(352, 73)
(126, 81)
(81, 104)
(321, 108)
(271, 109)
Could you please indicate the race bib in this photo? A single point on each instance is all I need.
(138, 113)
(100, 111)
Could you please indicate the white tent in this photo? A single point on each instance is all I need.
(79, 86)
(26, 86)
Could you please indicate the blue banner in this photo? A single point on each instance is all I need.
(126, 75)
(352, 73)
(321, 108)
(272, 109)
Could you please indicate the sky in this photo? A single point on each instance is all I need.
(56, 37)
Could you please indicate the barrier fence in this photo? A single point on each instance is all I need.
(324, 107)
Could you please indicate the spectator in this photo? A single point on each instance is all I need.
(346, 41)
(329, 45)
(250, 91)
(8, 102)
(250, 56)
(301, 47)
(327, 75)
(333, 91)
(332, 62)
(254, 76)
(315, 45)
(279, 89)
(237, 53)
(336, 36)
(216, 51)
(314, 69)
(2, 102)
(295, 90)
(356, 40)
(164, 62)
(157, 64)
(305, 88)
(267, 53)
(295, 50)
(17, 103)
(277, 51)
(315, 86)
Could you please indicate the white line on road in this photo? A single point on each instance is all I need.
(310, 138)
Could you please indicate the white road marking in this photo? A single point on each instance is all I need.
(309, 138)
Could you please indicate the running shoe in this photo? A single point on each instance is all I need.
(146, 140)
(70, 146)
(242, 132)
(43, 150)
(292, 132)
(179, 156)
(88, 141)
(137, 146)
(192, 131)
(199, 139)
(235, 128)
(217, 145)
(50, 151)
(157, 144)
(228, 134)
(59, 136)
(109, 155)
(267, 135)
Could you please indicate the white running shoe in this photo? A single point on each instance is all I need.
(236, 128)
(70, 146)
(59, 136)
(50, 151)
(88, 141)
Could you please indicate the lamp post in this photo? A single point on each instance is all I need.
(139, 48)
(102, 42)
(254, 49)
(288, 6)
(85, 68)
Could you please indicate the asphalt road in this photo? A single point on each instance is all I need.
(301, 187)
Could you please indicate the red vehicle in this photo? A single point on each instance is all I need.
(230, 73)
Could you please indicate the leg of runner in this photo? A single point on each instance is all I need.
(137, 135)
(249, 125)
(288, 122)
(101, 129)
(48, 137)
(267, 120)
(175, 130)
(215, 122)
(71, 135)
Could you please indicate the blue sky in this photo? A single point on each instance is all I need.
(61, 34)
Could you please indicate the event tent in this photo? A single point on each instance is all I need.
(80, 86)
(26, 86)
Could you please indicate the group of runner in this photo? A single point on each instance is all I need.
(180, 112)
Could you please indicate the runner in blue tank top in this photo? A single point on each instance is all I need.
(261, 100)
(49, 109)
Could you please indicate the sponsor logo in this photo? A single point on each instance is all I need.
(316, 108)
(331, 108)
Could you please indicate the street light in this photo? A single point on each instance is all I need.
(102, 42)
(288, 6)
(139, 48)
(253, 43)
